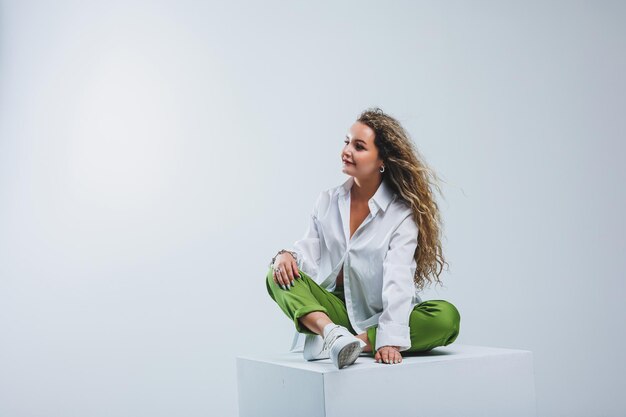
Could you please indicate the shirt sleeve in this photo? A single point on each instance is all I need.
(308, 247)
(399, 268)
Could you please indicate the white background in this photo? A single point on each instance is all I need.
(155, 155)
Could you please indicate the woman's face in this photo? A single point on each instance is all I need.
(360, 152)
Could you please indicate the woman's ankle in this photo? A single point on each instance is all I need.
(363, 337)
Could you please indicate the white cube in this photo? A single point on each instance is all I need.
(451, 381)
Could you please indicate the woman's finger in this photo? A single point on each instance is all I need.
(281, 278)
(385, 355)
(288, 273)
(294, 267)
(285, 274)
(388, 355)
(290, 278)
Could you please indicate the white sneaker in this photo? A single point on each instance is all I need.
(341, 346)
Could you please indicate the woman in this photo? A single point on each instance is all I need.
(352, 283)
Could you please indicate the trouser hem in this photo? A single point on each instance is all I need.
(302, 311)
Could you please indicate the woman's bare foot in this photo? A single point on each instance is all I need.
(363, 337)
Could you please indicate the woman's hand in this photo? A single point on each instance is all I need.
(285, 270)
(388, 354)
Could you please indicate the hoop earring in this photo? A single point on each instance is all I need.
(382, 169)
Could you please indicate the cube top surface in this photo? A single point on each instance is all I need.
(366, 361)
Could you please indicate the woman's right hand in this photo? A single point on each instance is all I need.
(285, 270)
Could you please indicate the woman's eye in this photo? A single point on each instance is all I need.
(357, 146)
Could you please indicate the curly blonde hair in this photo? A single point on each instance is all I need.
(411, 178)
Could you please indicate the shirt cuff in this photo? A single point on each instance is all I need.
(393, 335)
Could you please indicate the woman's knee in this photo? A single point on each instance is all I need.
(452, 312)
(449, 318)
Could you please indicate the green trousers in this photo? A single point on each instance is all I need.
(432, 323)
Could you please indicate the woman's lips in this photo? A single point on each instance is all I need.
(347, 162)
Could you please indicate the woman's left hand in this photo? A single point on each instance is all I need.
(388, 354)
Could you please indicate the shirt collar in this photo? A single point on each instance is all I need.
(382, 197)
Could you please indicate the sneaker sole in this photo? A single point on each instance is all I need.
(349, 353)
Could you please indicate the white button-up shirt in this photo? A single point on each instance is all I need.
(378, 260)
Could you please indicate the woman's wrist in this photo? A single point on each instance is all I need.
(280, 252)
(391, 346)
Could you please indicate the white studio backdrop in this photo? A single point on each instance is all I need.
(155, 155)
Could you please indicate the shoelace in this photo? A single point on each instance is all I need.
(330, 339)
